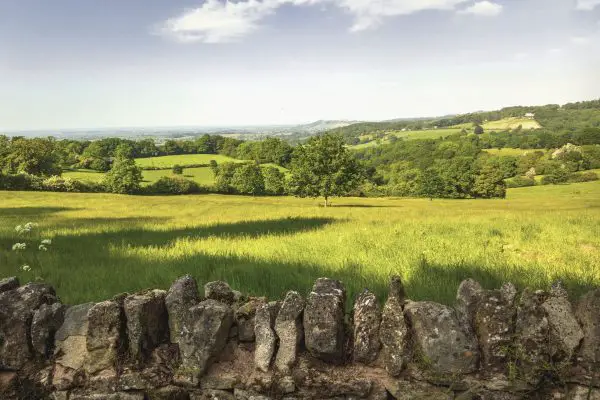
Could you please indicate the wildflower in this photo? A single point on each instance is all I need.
(47, 242)
(19, 246)
(42, 248)
(26, 268)
(19, 228)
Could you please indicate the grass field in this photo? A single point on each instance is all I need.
(183, 160)
(510, 152)
(409, 135)
(203, 175)
(104, 244)
(511, 123)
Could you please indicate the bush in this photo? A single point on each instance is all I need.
(177, 169)
(99, 164)
(274, 181)
(587, 176)
(520, 181)
(174, 185)
(21, 181)
(60, 184)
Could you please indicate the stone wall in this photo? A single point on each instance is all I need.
(177, 344)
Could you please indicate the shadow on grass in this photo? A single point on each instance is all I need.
(439, 282)
(32, 211)
(364, 206)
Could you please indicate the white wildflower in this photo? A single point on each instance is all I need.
(26, 268)
(19, 246)
(19, 228)
(42, 248)
(46, 242)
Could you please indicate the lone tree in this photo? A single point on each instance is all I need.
(124, 177)
(177, 169)
(324, 167)
(478, 129)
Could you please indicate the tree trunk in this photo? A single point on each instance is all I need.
(326, 201)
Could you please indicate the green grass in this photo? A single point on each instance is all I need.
(203, 175)
(84, 175)
(104, 244)
(511, 123)
(511, 152)
(408, 135)
(183, 160)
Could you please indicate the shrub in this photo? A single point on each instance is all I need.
(587, 176)
(98, 164)
(60, 184)
(177, 169)
(124, 177)
(20, 181)
(248, 179)
(520, 181)
(174, 185)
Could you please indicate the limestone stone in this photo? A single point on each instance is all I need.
(367, 321)
(46, 321)
(245, 319)
(105, 337)
(324, 320)
(532, 331)
(565, 334)
(288, 327)
(393, 331)
(494, 326)
(219, 291)
(266, 340)
(71, 350)
(205, 336)
(17, 307)
(7, 284)
(147, 322)
(441, 344)
(182, 295)
(588, 315)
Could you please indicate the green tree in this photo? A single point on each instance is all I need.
(324, 167)
(248, 179)
(274, 181)
(478, 129)
(489, 183)
(124, 177)
(430, 184)
(177, 169)
(33, 156)
(555, 173)
(224, 176)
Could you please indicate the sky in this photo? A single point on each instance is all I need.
(67, 64)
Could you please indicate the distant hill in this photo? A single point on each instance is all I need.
(552, 117)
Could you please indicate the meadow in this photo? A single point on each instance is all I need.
(105, 244)
(183, 160)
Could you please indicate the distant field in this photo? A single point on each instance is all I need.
(503, 124)
(409, 135)
(183, 159)
(511, 152)
(84, 175)
(511, 123)
(203, 176)
(104, 244)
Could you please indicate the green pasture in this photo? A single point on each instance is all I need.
(104, 244)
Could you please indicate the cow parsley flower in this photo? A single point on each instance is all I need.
(46, 242)
(42, 248)
(19, 246)
(26, 268)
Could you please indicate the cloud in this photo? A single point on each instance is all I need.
(484, 8)
(225, 21)
(216, 21)
(587, 5)
(580, 40)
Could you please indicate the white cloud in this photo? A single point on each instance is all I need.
(580, 40)
(484, 8)
(217, 21)
(223, 21)
(587, 5)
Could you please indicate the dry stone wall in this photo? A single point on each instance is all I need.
(181, 345)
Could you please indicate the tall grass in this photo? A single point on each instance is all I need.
(104, 244)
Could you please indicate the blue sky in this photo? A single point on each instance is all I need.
(125, 63)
